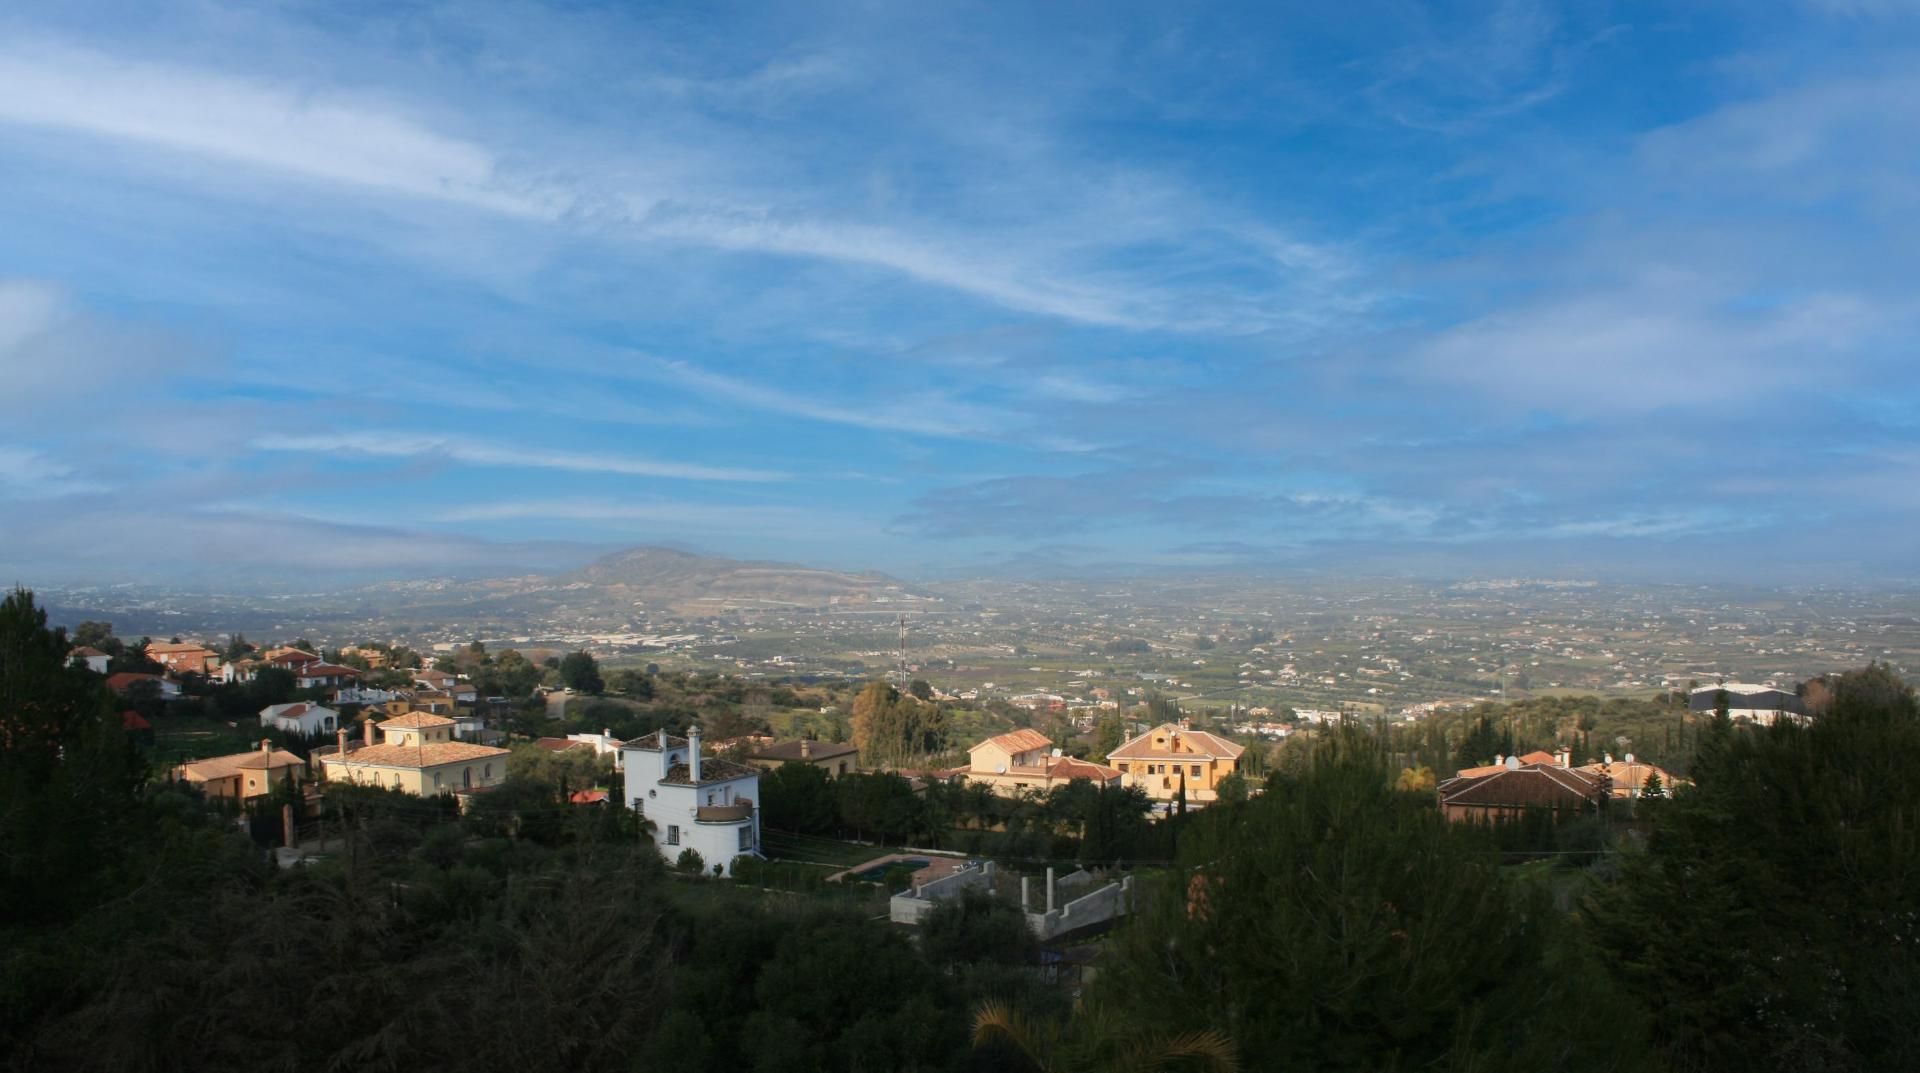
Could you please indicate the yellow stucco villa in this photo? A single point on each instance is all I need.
(418, 755)
(1169, 757)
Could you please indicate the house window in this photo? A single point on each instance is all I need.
(843, 767)
(487, 772)
(709, 797)
(746, 839)
(1195, 770)
(639, 806)
(673, 834)
(436, 780)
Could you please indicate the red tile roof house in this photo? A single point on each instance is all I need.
(1025, 760)
(1516, 789)
(323, 676)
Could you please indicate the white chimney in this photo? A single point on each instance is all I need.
(806, 748)
(693, 753)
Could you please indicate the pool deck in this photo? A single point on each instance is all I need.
(937, 867)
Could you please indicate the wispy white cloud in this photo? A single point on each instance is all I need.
(26, 473)
(322, 136)
(1059, 264)
(920, 414)
(477, 453)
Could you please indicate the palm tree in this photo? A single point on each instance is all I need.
(1099, 1044)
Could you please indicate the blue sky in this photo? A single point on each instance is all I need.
(303, 290)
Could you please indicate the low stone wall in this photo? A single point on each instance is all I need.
(1104, 904)
(911, 906)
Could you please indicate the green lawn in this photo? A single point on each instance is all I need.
(813, 849)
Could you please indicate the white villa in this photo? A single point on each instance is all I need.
(302, 717)
(700, 803)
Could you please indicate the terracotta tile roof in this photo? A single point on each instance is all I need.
(429, 754)
(223, 767)
(561, 745)
(1632, 775)
(83, 651)
(123, 681)
(1538, 756)
(1531, 785)
(416, 721)
(169, 648)
(712, 769)
(1019, 741)
(276, 760)
(1198, 743)
(133, 720)
(790, 750)
(1067, 768)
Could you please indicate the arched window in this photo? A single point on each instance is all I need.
(488, 773)
(466, 777)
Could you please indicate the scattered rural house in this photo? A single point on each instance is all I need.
(1518, 788)
(363, 695)
(435, 680)
(302, 718)
(126, 681)
(324, 676)
(1171, 758)
(244, 776)
(287, 658)
(706, 805)
(834, 758)
(427, 701)
(375, 659)
(1760, 705)
(1629, 777)
(95, 659)
(1025, 760)
(418, 756)
(603, 743)
(240, 670)
(183, 658)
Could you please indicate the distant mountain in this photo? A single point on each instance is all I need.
(662, 578)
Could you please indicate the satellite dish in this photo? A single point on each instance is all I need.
(1001, 770)
(1513, 763)
(1629, 758)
